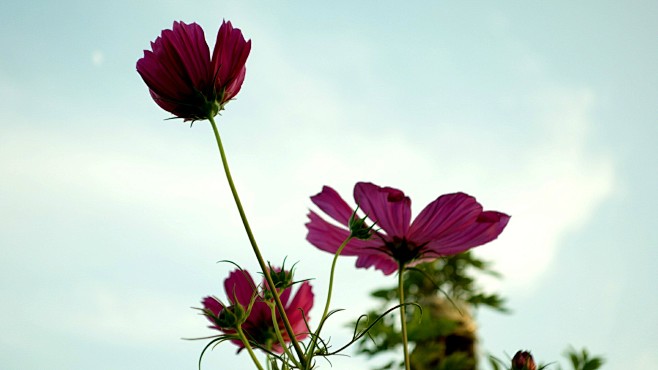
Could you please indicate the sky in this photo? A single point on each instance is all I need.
(113, 218)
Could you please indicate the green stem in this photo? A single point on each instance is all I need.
(403, 319)
(327, 304)
(252, 240)
(248, 347)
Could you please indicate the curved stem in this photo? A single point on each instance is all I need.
(327, 303)
(403, 319)
(252, 240)
(248, 347)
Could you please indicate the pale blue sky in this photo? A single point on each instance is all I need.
(112, 218)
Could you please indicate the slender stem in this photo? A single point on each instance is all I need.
(248, 347)
(326, 305)
(331, 279)
(403, 319)
(252, 240)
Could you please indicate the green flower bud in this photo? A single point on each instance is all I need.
(281, 278)
(230, 317)
(358, 227)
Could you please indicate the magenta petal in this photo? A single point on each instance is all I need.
(333, 205)
(380, 261)
(234, 87)
(239, 287)
(303, 299)
(212, 305)
(184, 80)
(486, 228)
(191, 51)
(179, 62)
(389, 207)
(301, 303)
(449, 213)
(328, 237)
(161, 76)
(228, 59)
(261, 315)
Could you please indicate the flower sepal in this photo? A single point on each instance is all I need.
(358, 227)
(231, 317)
(282, 279)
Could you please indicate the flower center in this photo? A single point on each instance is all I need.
(403, 250)
(262, 334)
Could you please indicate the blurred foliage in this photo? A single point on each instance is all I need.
(443, 335)
(452, 276)
(582, 360)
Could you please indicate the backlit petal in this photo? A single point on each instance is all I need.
(486, 228)
(447, 214)
(229, 58)
(328, 237)
(239, 287)
(388, 207)
(380, 261)
(333, 205)
(302, 302)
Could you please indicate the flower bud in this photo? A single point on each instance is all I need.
(230, 317)
(358, 227)
(281, 278)
(523, 361)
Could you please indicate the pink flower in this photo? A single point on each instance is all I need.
(182, 77)
(451, 224)
(258, 326)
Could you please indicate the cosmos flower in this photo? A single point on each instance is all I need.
(182, 77)
(258, 326)
(451, 224)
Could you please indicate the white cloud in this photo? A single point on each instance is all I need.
(97, 58)
(557, 189)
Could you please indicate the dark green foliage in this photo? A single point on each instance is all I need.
(582, 360)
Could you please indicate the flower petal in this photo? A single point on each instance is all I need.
(449, 213)
(212, 304)
(190, 45)
(228, 59)
(388, 207)
(239, 287)
(380, 261)
(328, 238)
(234, 87)
(298, 309)
(331, 203)
(179, 63)
(486, 228)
